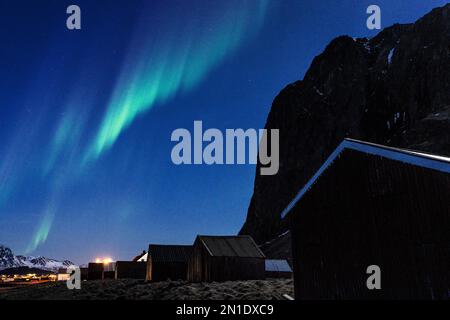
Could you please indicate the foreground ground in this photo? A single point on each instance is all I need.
(168, 290)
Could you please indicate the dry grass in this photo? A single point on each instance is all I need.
(167, 290)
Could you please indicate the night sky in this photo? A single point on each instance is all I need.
(86, 116)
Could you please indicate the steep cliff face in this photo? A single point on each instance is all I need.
(393, 89)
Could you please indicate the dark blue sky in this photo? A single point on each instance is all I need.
(86, 116)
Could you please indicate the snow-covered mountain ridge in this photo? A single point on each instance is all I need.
(9, 260)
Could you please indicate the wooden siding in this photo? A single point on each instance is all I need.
(203, 267)
(130, 270)
(108, 275)
(167, 262)
(95, 271)
(368, 210)
(162, 271)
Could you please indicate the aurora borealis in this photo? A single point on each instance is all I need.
(175, 61)
(86, 115)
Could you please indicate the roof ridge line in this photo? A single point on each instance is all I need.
(401, 150)
(429, 161)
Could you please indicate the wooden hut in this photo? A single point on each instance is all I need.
(373, 205)
(108, 275)
(166, 262)
(84, 273)
(278, 269)
(225, 258)
(130, 270)
(109, 270)
(95, 271)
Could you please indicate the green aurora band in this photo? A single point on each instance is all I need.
(42, 231)
(174, 62)
(176, 59)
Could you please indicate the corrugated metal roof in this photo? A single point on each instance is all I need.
(278, 266)
(416, 158)
(231, 246)
(169, 253)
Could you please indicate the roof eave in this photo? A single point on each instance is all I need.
(429, 161)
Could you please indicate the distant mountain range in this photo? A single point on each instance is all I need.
(9, 260)
(392, 89)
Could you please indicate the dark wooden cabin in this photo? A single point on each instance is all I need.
(130, 270)
(95, 271)
(225, 259)
(166, 262)
(84, 273)
(373, 205)
(109, 270)
(109, 275)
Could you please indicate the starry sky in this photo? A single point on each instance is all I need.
(86, 115)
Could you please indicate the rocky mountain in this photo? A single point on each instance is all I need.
(392, 89)
(9, 260)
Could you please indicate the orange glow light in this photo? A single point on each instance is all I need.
(104, 260)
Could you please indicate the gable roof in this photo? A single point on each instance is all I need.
(231, 246)
(416, 158)
(169, 253)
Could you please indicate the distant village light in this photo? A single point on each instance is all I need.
(104, 260)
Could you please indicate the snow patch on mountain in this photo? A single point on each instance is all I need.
(9, 260)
